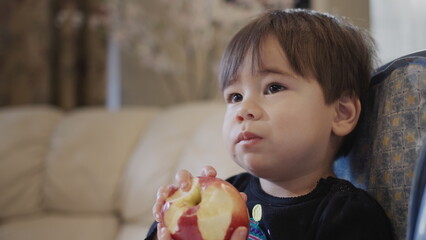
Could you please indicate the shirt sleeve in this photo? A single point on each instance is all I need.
(152, 232)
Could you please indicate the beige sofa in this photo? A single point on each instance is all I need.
(92, 173)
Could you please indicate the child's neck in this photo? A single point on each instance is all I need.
(294, 187)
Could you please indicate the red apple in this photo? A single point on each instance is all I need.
(211, 210)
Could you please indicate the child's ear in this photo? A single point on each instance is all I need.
(347, 109)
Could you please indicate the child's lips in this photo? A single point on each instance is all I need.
(247, 138)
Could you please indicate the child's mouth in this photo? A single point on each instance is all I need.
(247, 139)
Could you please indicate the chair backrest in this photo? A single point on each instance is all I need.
(416, 229)
(394, 128)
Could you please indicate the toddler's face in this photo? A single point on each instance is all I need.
(277, 124)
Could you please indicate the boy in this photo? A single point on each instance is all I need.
(294, 82)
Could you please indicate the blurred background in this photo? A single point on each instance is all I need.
(114, 53)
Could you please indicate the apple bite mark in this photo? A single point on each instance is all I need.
(211, 210)
(178, 204)
(216, 211)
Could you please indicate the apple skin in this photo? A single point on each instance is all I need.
(211, 210)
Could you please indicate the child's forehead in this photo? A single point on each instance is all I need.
(266, 57)
(254, 45)
(259, 64)
(263, 69)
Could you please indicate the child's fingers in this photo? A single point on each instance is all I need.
(162, 194)
(183, 178)
(156, 211)
(243, 196)
(208, 171)
(240, 234)
(163, 233)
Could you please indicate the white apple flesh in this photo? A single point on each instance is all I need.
(211, 210)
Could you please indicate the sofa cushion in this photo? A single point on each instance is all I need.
(133, 231)
(64, 227)
(89, 151)
(173, 141)
(24, 142)
(206, 147)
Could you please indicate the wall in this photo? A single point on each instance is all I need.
(358, 11)
(398, 27)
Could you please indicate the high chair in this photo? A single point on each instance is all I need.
(384, 158)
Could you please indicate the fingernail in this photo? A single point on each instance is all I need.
(184, 185)
(163, 231)
(207, 172)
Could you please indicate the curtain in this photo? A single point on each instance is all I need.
(53, 52)
(170, 50)
(24, 51)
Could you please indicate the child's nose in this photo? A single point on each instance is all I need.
(249, 111)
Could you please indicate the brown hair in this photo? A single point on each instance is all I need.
(337, 54)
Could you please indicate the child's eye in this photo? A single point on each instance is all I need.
(234, 97)
(274, 88)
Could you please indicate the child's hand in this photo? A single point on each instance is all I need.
(240, 234)
(163, 234)
(183, 181)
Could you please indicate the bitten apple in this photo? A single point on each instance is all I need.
(211, 210)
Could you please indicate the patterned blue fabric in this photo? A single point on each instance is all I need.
(255, 232)
(383, 159)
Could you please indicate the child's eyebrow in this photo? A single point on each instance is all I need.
(262, 71)
(230, 82)
(273, 70)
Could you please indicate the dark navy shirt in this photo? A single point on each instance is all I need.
(335, 209)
